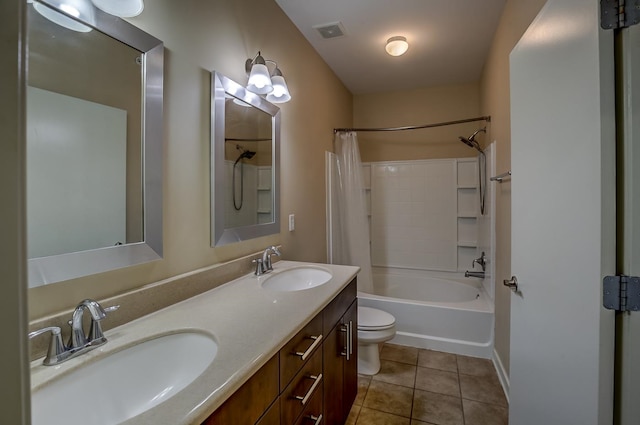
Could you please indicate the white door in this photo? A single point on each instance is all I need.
(629, 323)
(563, 222)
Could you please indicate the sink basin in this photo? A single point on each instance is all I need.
(297, 279)
(122, 385)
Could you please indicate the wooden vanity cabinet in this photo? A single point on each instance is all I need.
(251, 401)
(318, 366)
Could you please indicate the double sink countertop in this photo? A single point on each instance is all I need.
(248, 322)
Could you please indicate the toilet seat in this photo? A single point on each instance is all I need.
(372, 319)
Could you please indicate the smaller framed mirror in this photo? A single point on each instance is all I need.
(245, 145)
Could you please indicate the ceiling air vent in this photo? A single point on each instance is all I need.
(331, 30)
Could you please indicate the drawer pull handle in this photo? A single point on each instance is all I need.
(303, 356)
(316, 419)
(348, 345)
(305, 398)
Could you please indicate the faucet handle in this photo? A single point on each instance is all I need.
(259, 266)
(95, 333)
(481, 261)
(111, 308)
(56, 346)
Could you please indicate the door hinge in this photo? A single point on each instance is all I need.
(619, 13)
(621, 293)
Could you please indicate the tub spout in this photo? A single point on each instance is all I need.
(474, 274)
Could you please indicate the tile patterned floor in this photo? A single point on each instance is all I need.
(418, 387)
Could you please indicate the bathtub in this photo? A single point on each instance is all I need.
(444, 312)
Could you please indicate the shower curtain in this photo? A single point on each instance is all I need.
(352, 244)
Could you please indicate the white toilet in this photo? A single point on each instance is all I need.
(374, 327)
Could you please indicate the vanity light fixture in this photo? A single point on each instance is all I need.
(397, 46)
(280, 92)
(121, 8)
(66, 11)
(261, 81)
(259, 78)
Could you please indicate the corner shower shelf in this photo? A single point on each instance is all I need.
(468, 244)
(467, 210)
(467, 215)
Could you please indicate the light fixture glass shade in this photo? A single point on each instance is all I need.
(121, 8)
(397, 46)
(81, 9)
(259, 79)
(280, 93)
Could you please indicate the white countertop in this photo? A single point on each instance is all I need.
(249, 324)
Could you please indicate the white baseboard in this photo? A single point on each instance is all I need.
(502, 374)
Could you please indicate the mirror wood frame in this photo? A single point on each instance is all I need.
(222, 86)
(56, 268)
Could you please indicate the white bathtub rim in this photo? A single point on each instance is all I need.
(455, 276)
(481, 304)
(453, 346)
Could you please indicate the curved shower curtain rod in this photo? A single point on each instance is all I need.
(415, 127)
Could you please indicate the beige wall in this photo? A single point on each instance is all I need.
(417, 107)
(201, 36)
(516, 17)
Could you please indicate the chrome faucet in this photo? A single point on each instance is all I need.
(79, 342)
(482, 262)
(78, 337)
(266, 257)
(264, 265)
(474, 274)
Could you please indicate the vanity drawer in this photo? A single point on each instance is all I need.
(307, 383)
(272, 416)
(312, 413)
(247, 404)
(299, 349)
(336, 308)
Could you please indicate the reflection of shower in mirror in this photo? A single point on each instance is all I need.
(243, 154)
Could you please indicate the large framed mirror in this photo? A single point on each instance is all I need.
(245, 145)
(94, 142)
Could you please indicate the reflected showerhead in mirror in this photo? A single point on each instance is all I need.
(244, 153)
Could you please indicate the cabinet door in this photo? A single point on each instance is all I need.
(350, 376)
(341, 367)
(333, 348)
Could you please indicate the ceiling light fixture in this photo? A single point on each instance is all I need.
(397, 46)
(261, 81)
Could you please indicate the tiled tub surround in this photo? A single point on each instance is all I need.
(423, 213)
(250, 324)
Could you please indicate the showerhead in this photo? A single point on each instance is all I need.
(471, 141)
(467, 141)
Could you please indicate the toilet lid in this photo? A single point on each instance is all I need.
(374, 319)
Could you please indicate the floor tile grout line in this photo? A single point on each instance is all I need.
(413, 393)
(464, 420)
